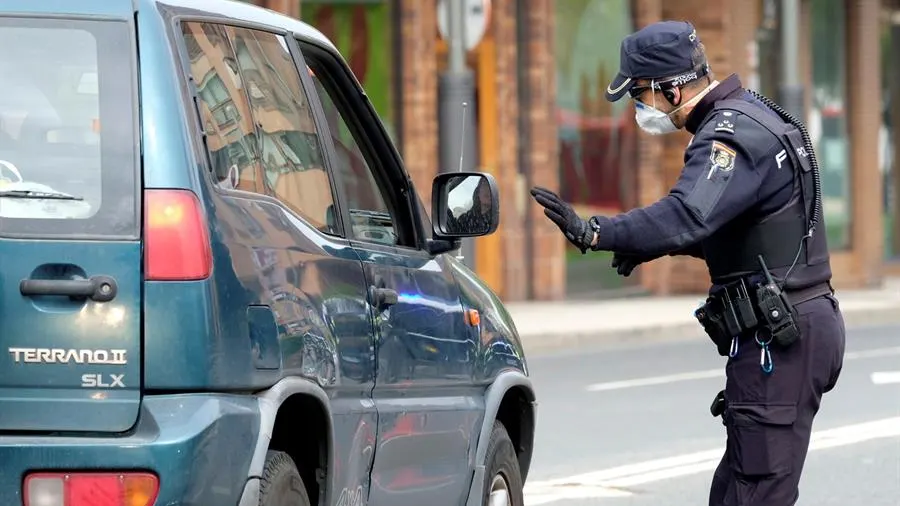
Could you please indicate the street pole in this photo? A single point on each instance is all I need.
(791, 92)
(456, 87)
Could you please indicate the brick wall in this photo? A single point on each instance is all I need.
(548, 265)
(711, 20)
(419, 100)
(651, 184)
(512, 230)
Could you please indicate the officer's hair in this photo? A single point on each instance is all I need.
(698, 59)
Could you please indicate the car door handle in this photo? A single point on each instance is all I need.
(97, 288)
(383, 297)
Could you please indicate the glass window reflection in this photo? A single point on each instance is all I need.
(597, 139)
(827, 120)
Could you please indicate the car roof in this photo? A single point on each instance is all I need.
(247, 12)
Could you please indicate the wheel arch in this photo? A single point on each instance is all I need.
(511, 400)
(284, 402)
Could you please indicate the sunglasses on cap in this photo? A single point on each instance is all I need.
(671, 82)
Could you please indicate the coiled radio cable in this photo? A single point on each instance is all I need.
(817, 180)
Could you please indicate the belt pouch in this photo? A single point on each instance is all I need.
(744, 308)
(730, 316)
(710, 317)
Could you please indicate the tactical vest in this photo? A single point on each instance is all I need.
(731, 252)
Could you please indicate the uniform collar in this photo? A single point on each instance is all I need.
(728, 88)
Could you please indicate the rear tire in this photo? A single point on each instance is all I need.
(502, 480)
(281, 484)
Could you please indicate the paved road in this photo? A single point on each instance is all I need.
(609, 416)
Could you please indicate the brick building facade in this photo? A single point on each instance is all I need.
(540, 70)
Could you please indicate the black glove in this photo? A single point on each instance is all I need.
(624, 264)
(576, 230)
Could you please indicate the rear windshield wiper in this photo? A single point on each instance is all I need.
(32, 194)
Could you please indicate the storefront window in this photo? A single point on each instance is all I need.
(363, 31)
(889, 135)
(597, 139)
(827, 120)
(827, 115)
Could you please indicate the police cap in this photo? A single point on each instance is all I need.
(661, 50)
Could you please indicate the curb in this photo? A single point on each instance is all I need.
(676, 332)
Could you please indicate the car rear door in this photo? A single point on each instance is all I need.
(70, 248)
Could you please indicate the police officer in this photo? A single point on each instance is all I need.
(748, 202)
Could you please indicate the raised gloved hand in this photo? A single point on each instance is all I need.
(576, 229)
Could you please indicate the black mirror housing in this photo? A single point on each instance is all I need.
(464, 204)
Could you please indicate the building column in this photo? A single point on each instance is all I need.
(289, 7)
(548, 261)
(419, 100)
(651, 181)
(511, 233)
(864, 108)
(713, 23)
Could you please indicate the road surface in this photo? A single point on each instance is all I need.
(629, 425)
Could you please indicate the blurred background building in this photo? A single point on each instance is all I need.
(540, 70)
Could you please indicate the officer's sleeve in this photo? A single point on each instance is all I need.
(719, 181)
(694, 250)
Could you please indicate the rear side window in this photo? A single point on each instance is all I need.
(260, 130)
(68, 164)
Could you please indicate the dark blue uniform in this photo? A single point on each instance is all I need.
(749, 190)
(736, 171)
(703, 200)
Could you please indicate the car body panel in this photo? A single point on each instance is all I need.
(428, 406)
(178, 436)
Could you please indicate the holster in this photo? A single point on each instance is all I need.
(719, 403)
(711, 318)
(727, 314)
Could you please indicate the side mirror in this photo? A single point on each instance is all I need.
(464, 204)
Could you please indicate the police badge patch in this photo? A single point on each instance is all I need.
(722, 157)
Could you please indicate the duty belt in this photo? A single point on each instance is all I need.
(735, 310)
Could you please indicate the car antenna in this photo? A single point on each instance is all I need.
(462, 136)
(462, 150)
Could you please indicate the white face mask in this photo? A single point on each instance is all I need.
(652, 120)
(655, 122)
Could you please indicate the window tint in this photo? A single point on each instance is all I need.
(260, 129)
(67, 144)
(370, 218)
(289, 150)
(224, 113)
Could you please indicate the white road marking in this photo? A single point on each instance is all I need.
(613, 482)
(720, 373)
(657, 380)
(885, 378)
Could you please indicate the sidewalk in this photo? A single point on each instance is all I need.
(554, 326)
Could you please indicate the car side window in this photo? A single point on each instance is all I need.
(284, 159)
(224, 112)
(370, 218)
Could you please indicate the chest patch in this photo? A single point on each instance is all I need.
(722, 157)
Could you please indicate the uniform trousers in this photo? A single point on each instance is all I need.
(769, 417)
